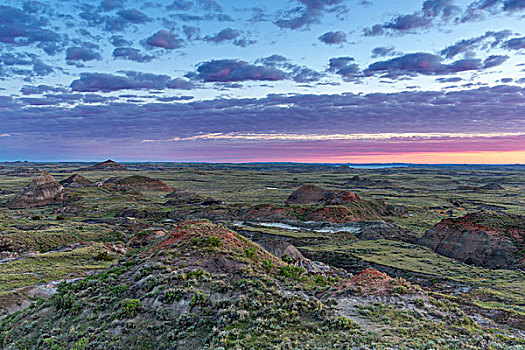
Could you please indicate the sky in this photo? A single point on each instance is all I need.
(318, 81)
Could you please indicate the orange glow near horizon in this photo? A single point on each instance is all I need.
(511, 157)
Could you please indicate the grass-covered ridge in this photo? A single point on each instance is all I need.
(172, 294)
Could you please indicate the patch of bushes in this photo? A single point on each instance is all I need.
(291, 271)
(130, 307)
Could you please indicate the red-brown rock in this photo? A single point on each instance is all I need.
(485, 239)
(311, 194)
(138, 183)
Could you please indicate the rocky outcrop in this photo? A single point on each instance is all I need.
(311, 194)
(493, 240)
(357, 181)
(181, 197)
(138, 183)
(76, 181)
(290, 253)
(108, 165)
(42, 191)
(371, 230)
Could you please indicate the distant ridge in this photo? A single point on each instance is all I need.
(76, 180)
(108, 165)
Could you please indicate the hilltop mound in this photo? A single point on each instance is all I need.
(139, 183)
(108, 165)
(488, 239)
(370, 281)
(357, 181)
(202, 286)
(311, 194)
(184, 197)
(41, 191)
(75, 181)
(492, 187)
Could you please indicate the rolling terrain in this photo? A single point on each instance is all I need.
(249, 256)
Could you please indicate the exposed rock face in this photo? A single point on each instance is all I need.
(311, 194)
(76, 181)
(108, 165)
(485, 239)
(281, 249)
(139, 183)
(42, 191)
(371, 230)
(184, 197)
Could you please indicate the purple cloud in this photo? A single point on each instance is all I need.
(120, 127)
(428, 64)
(93, 82)
(514, 44)
(129, 53)
(209, 5)
(449, 80)
(310, 12)
(119, 41)
(175, 98)
(180, 84)
(229, 34)
(191, 33)
(513, 5)
(82, 54)
(134, 16)
(345, 67)
(109, 5)
(234, 71)
(383, 51)
(494, 60)
(21, 29)
(40, 89)
(165, 39)
(468, 46)
(180, 5)
(11, 62)
(333, 38)
(295, 72)
(431, 13)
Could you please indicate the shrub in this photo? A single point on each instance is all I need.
(291, 271)
(287, 259)
(250, 252)
(130, 307)
(268, 264)
(401, 290)
(213, 241)
(195, 274)
(343, 322)
(199, 298)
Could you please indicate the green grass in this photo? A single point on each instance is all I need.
(46, 267)
(504, 285)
